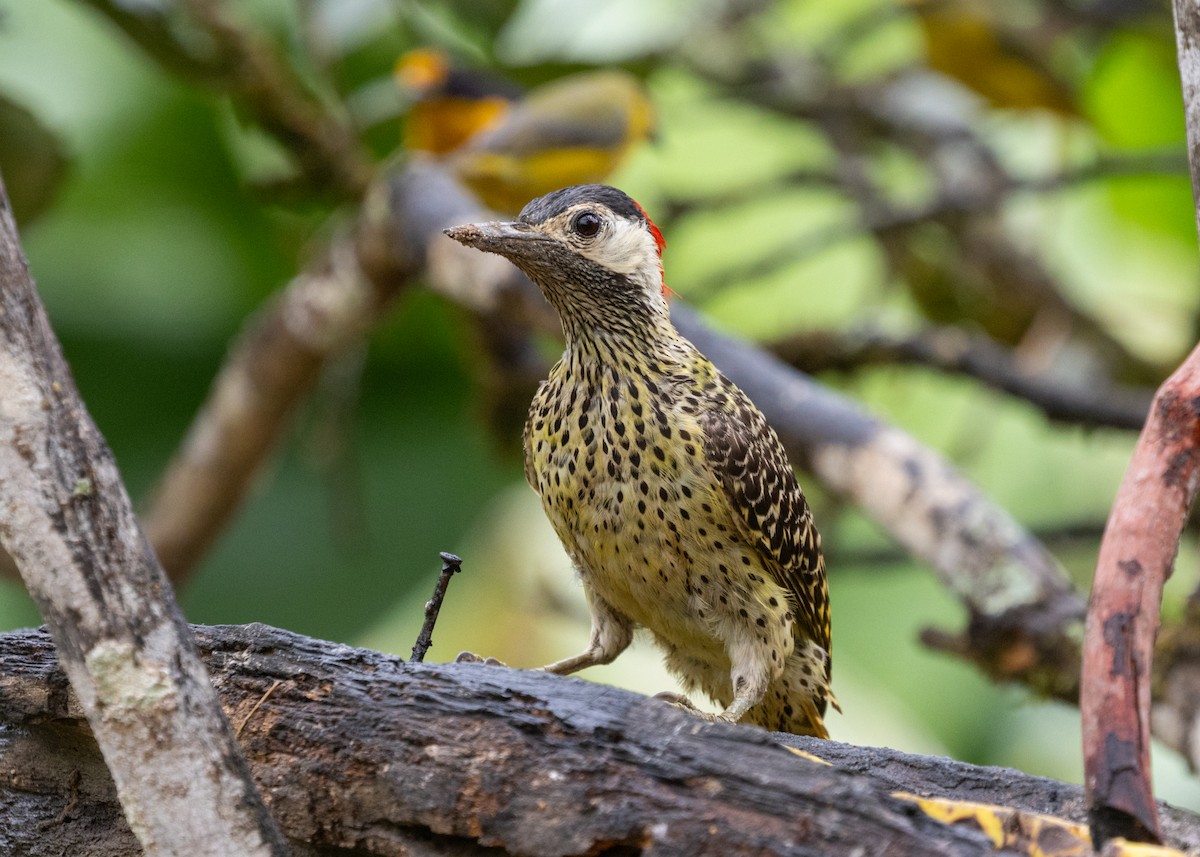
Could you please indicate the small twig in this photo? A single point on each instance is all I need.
(237, 733)
(450, 566)
(70, 807)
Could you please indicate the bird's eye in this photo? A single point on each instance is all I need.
(586, 224)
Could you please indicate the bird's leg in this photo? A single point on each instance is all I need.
(742, 702)
(611, 634)
(750, 676)
(751, 673)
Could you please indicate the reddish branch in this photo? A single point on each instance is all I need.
(1136, 557)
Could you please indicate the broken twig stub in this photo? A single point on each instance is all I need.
(451, 565)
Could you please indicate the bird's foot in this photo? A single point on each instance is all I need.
(680, 701)
(472, 658)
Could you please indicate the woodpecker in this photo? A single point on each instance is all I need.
(671, 494)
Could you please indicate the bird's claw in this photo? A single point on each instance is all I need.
(676, 699)
(680, 701)
(472, 658)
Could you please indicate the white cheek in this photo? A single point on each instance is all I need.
(629, 248)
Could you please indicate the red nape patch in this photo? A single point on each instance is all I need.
(658, 236)
(660, 242)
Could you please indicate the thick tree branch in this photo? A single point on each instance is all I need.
(68, 524)
(1137, 556)
(358, 750)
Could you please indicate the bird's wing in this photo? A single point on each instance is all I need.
(760, 485)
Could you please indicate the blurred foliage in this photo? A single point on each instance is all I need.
(157, 238)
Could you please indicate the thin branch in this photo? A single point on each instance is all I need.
(331, 306)
(954, 351)
(198, 40)
(164, 34)
(1151, 162)
(881, 219)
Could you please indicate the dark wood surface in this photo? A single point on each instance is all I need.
(359, 752)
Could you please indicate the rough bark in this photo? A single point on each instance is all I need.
(68, 524)
(360, 751)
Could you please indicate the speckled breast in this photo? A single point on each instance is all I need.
(621, 472)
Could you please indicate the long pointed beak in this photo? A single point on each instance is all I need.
(507, 239)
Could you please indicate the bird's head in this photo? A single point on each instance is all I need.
(591, 249)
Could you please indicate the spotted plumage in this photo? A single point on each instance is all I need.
(673, 497)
